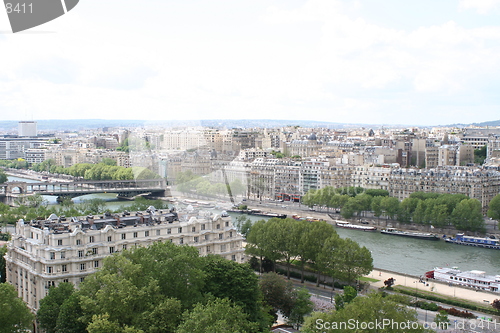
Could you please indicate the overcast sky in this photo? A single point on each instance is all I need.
(424, 62)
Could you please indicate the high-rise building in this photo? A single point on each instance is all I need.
(27, 128)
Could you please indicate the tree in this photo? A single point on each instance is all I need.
(278, 294)
(467, 216)
(480, 154)
(69, 314)
(390, 205)
(371, 309)
(3, 272)
(3, 177)
(494, 208)
(14, 314)
(217, 315)
(342, 299)
(301, 308)
(131, 286)
(51, 304)
(243, 224)
(241, 286)
(353, 261)
(312, 242)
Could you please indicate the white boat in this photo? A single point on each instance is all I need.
(348, 225)
(473, 279)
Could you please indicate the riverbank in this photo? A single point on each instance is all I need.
(436, 287)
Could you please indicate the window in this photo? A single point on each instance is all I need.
(146, 233)
(81, 279)
(180, 230)
(218, 226)
(158, 232)
(230, 234)
(221, 236)
(63, 255)
(96, 263)
(64, 268)
(59, 242)
(124, 246)
(109, 238)
(193, 229)
(65, 280)
(207, 237)
(111, 249)
(169, 231)
(223, 247)
(91, 239)
(181, 240)
(94, 250)
(52, 255)
(80, 254)
(82, 267)
(78, 242)
(135, 234)
(208, 249)
(49, 270)
(233, 257)
(124, 236)
(202, 227)
(227, 223)
(196, 239)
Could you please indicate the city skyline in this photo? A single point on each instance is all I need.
(422, 63)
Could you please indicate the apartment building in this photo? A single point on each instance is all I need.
(45, 253)
(476, 183)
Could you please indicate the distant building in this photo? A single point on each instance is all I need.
(27, 128)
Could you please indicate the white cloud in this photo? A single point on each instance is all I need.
(321, 59)
(481, 6)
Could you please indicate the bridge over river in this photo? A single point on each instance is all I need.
(124, 188)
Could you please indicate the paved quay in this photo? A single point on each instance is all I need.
(440, 288)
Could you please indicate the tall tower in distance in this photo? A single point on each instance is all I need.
(27, 128)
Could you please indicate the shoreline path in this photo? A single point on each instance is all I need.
(440, 288)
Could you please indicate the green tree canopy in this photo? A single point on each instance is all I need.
(371, 309)
(50, 306)
(14, 314)
(217, 315)
(494, 208)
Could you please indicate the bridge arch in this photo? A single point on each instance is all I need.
(16, 187)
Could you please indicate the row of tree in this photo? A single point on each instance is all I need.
(439, 210)
(313, 244)
(106, 170)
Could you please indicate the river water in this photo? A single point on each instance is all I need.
(400, 254)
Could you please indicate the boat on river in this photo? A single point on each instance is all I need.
(474, 279)
(411, 234)
(348, 225)
(488, 243)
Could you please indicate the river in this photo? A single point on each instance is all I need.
(400, 254)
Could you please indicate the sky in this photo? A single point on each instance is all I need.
(423, 62)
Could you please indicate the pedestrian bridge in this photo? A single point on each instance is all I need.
(124, 188)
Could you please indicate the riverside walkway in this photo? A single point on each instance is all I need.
(437, 287)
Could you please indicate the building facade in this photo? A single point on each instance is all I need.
(45, 253)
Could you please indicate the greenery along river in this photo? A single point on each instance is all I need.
(401, 254)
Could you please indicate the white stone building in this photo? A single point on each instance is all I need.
(45, 253)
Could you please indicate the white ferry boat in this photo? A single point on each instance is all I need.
(473, 279)
(348, 225)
